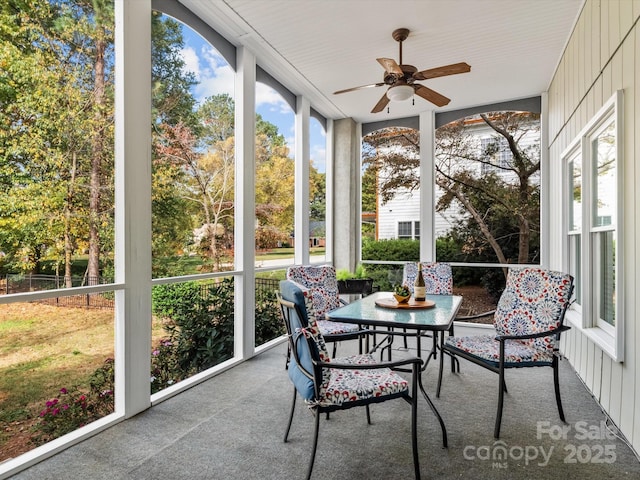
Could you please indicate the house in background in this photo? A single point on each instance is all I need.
(400, 216)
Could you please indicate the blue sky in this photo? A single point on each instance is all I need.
(215, 76)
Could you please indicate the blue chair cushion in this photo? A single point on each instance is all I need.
(304, 329)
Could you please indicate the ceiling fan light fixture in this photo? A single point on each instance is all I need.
(400, 93)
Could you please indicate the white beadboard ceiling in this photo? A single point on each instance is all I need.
(315, 47)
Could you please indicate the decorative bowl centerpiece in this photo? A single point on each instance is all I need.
(401, 293)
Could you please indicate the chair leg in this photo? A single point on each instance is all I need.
(501, 389)
(441, 366)
(455, 363)
(368, 415)
(556, 384)
(293, 408)
(414, 422)
(315, 444)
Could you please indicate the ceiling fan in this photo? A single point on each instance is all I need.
(402, 78)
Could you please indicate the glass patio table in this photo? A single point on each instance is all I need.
(416, 321)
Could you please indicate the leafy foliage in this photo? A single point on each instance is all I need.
(385, 277)
(199, 320)
(494, 187)
(165, 370)
(72, 408)
(501, 198)
(393, 154)
(269, 325)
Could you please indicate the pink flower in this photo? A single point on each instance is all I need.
(63, 390)
(55, 412)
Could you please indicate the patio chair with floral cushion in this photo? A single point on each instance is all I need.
(328, 385)
(528, 321)
(438, 280)
(321, 283)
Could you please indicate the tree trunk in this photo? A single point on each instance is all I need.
(97, 153)
(68, 243)
(484, 228)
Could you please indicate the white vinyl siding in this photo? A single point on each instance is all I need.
(601, 58)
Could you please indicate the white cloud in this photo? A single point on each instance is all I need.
(265, 95)
(191, 62)
(212, 72)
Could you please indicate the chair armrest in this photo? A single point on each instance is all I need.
(548, 333)
(371, 366)
(474, 317)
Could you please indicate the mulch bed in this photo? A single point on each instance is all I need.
(475, 301)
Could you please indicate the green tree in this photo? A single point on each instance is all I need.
(216, 117)
(170, 82)
(393, 154)
(317, 194)
(274, 188)
(496, 207)
(507, 192)
(56, 132)
(47, 121)
(173, 215)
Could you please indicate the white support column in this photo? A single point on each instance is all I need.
(427, 186)
(345, 210)
(356, 182)
(545, 226)
(301, 217)
(133, 204)
(245, 235)
(329, 169)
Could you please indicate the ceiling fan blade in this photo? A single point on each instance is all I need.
(443, 71)
(381, 104)
(390, 65)
(431, 95)
(359, 88)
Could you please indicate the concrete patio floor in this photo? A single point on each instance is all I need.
(232, 427)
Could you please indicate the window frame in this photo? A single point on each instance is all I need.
(405, 226)
(500, 158)
(584, 312)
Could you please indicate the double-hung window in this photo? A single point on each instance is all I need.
(409, 230)
(593, 186)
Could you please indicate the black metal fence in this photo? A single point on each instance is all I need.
(18, 283)
(21, 283)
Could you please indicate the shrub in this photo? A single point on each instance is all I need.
(164, 366)
(391, 250)
(269, 325)
(199, 319)
(73, 408)
(385, 277)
